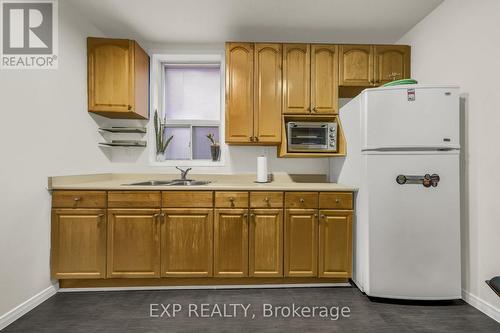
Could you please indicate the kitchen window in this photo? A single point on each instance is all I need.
(191, 109)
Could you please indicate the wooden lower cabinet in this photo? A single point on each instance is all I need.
(133, 249)
(231, 242)
(266, 243)
(78, 244)
(335, 243)
(186, 242)
(301, 242)
(260, 235)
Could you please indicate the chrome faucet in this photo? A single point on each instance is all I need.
(183, 172)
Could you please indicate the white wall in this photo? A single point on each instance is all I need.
(458, 43)
(46, 131)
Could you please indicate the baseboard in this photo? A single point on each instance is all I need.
(25, 307)
(214, 287)
(484, 307)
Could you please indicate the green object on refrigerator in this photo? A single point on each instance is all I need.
(400, 82)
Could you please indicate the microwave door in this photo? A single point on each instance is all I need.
(308, 138)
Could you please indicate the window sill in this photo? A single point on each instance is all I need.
(187, 163)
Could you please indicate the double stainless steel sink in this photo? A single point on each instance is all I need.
(175, 182)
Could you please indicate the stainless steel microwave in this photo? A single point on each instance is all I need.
(312, 136)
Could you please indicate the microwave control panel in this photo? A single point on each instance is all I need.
(332, 136)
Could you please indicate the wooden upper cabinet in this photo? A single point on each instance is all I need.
(335, 244)
(118, 78)
(186, 242)
(356, 65)
(392, 62)
(78, 248)
(296, 78)
(133, 243)
(301, 242)
(231, 242)
(239, 92)
(267, 90)
(324, 79)
(266, 243)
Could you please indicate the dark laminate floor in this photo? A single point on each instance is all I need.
(129, 312)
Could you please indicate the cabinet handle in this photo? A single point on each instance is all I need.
(129, 107)
(301, 200)
(266, 199)
(245, 215)
(315, 215)
(337, 201)
(314, 109)
(256, 138)
(251, 138)
(77, 199)
(252, 215)
(322, 216)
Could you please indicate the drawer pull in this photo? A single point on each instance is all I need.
(337, 200)
(266, 199)
(301, 200)
(322, 216)
(77, 199)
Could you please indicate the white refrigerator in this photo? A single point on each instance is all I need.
(403, 156)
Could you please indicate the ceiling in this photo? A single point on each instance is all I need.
(214, 21)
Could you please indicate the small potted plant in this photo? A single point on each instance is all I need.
(161, 143)
(214, 147)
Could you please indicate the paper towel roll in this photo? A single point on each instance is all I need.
(261, 169)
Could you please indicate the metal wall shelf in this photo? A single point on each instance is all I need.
(118, 129)
(124, 143)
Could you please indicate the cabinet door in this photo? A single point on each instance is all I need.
(324, 79)
(335, 244)
(110, 75)
(186, 242)
(231, 243)
(239, 92)
(266, 243)
(296, 78)
(356, 65)
(267, 88)
(301, 242)
(392, 62)
(133, 243)
(78, 244)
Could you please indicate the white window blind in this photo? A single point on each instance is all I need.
(192, 92)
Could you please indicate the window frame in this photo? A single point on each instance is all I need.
(158, 102)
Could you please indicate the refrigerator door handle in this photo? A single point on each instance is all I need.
(426, 180)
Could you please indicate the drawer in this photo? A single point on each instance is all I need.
(335, 200)
(301, 199)
(188, 199)
(231, 199)
(79, 199)
(266, 199)
(134, 199)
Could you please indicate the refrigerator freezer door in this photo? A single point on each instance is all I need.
(414, 231)
(411, 118)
